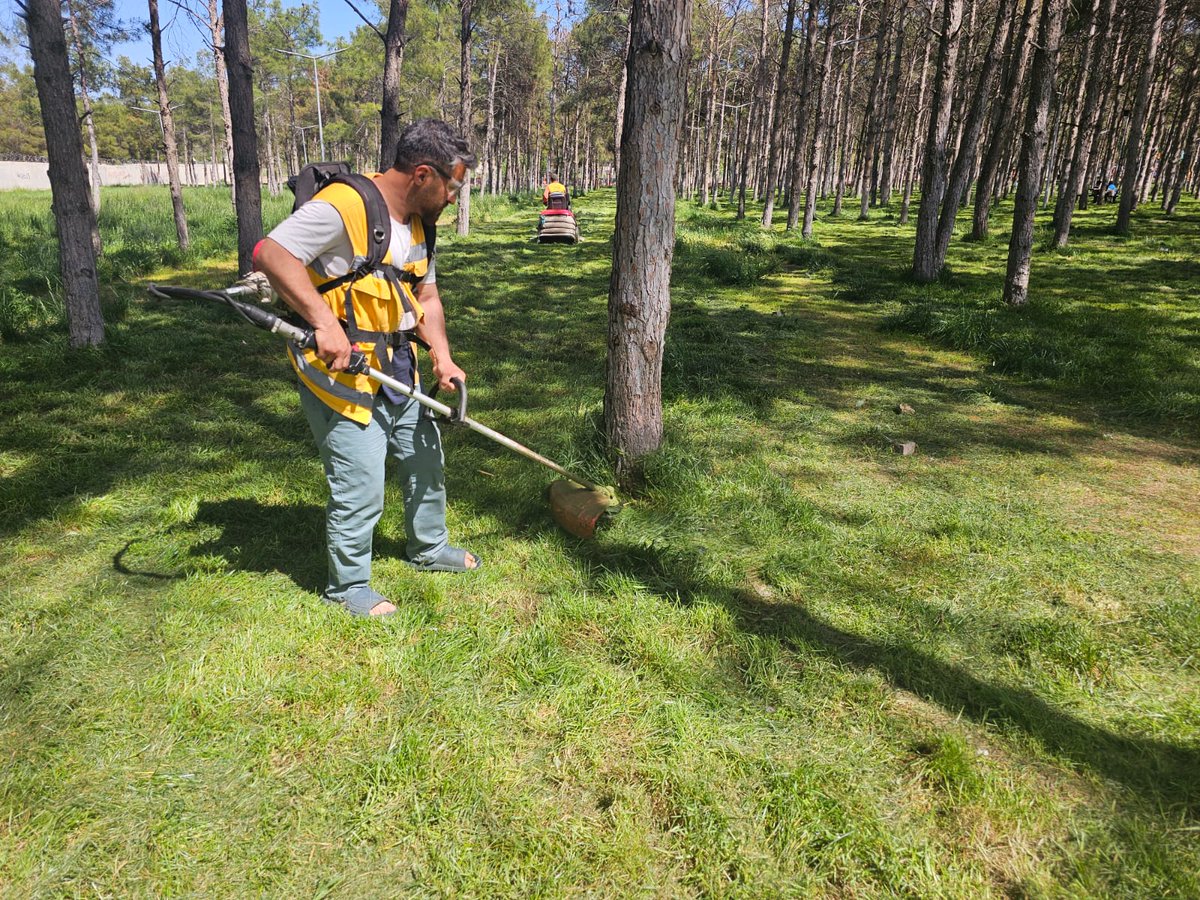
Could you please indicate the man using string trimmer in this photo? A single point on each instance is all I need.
(360, 277)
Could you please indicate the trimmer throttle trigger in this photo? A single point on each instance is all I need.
(358, 361)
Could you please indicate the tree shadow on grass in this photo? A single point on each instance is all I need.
(288, 539)
(1099, 330)
(1163, 775)
(246, 535)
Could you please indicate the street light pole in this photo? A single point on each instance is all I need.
(316, 83)
(304, 142)
(158, 112)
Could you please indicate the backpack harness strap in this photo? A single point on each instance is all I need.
(379, 237)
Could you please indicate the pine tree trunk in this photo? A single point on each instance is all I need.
(74, 217)
(216, 26)
(1017, 53)
(844, 139)
(968, 145)
(804, 113)
(918, 120)
(273, 174)
(721, 167)
(394, 40)
(777, 126)
(85, 97)
(246, 171)
(1181, 130)
(1161, 99)
(933, 174)
(90, 120)
(1138, 123)
(621, 90)
(639, 299)
(1081, 148)
(819, 128)
(1033, 149)
(168, 127)
(710, 116)
(465, 104)
(1185, 164)
(760, 93)
(868, 145)
(487, 179)
(1111, 111)
(895, 81)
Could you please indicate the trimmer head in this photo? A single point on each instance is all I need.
(577, 509)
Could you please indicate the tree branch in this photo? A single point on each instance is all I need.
(358, 13)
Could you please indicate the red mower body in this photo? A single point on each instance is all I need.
(557, 226)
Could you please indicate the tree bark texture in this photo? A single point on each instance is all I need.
(490, 158)
(968, 145)
(871, 116)
(777, 124)
(804, 115)
(393, 63)
(1017, 54)
(246, 171)
(86, 99)
(1081, 148)
(1033, 149)
(1175, 164)
(466, 9)
(895, 82)
(710, 116)
(1137, 125)
(844, 130)
(918, 119)
(639, 298)
(824, 77)
(620, 124)
(216, 27)
(933, 175)
(73, 214)
(168, 129)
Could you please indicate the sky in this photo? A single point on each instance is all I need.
(183, 39)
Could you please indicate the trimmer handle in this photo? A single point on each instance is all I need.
(460, 413)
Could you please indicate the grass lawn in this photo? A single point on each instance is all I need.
(797, 664)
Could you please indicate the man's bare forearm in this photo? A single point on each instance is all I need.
(290, 280)
(432, 328)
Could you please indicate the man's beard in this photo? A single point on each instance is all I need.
(428, 207)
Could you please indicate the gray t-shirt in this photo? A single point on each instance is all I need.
(316, 236)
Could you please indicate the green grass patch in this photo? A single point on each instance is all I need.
(797, 664)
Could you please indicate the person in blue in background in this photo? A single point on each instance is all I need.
(1110, 192)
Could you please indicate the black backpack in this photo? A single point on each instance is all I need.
(315, 176)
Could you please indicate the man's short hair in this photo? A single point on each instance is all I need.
(552, 177)
(432, 141)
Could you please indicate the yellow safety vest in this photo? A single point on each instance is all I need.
(377, 306)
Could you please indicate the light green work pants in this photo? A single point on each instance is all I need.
(354, 456)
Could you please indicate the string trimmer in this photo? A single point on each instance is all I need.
(578, 505)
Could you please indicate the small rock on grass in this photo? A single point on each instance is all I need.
(904, 448)
(904, 409)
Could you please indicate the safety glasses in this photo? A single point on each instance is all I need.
(451, 182)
